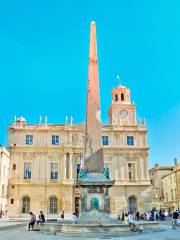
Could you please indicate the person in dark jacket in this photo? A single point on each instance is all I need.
(137, 216)
(41, 218)
(62, 215)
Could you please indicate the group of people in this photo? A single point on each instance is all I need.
(132, 218)
(33, 220)
(73, 218)
(152, 215)
(41, 220)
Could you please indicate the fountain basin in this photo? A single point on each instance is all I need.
(95, 228)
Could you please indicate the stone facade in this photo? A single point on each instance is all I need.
(4, 170)
(157, 190)
(171, 188)
(166, 186)
(46, 158)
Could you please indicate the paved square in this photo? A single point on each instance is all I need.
(19, 233)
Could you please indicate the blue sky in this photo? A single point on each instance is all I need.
(44, 61)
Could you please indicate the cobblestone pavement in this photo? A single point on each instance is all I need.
(166, 233)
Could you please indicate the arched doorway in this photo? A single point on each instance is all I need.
(132, 204)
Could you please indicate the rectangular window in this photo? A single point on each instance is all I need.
(131, 171)
(14, 166)
(78, 167)
(105, 140)
(12, 201)
(27, 170)
(55, 140)
(130, 140)
(54, 171)
(29, 139)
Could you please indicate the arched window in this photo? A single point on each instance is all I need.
(132, 204)
(122, 96)
(116, 98)
(53, 204)
(67, 165)
(26, 205)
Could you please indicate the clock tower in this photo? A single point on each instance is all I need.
(122, 112)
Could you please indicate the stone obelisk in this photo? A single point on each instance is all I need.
(93, 161)
(94, 179)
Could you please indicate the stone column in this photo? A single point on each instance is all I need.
(116, 168)
(146, 166)
(64, 167)
(142, 167)
(125, 167)
(138, 169)
(71, 166)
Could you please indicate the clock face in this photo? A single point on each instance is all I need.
(123, 113)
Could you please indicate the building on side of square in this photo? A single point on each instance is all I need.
(46, 159)
(157, 188)
(171, 188)
(4, 172)
(166, 186)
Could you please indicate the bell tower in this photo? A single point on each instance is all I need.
(122, 112)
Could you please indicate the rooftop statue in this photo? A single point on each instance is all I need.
(82, 174)
(106, 173)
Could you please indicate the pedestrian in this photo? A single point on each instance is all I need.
(152, 215)
(122, 218)
(41, 218)
(74, 217)
(148, 215)
(156, 215)
(132, 224)
(166, 214)
(32, 221)
(126, 218)
(137, 216)
(62, 215)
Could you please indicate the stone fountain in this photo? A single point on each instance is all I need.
(94, 178)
